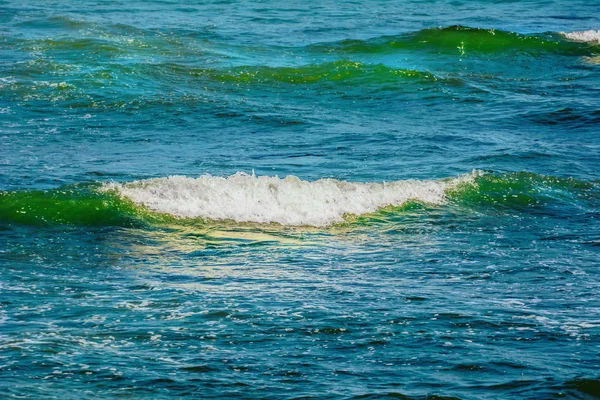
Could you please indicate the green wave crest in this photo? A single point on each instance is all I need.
(464, 40)
(80, 205)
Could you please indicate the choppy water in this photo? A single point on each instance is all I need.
(316, 199)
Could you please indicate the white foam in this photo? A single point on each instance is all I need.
(583, 36)
(289, 201)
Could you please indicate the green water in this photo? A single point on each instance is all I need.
(357, 199)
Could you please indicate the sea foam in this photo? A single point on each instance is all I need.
(590, 36)
(289, 201)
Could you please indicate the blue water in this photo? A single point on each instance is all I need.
(438, 235)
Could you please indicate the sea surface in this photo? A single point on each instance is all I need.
(318, 199)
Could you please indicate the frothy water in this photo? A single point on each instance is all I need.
(288, 201)
(590, 36)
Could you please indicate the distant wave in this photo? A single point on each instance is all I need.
(466, 40)
(119, 58)
(343, 71)
(80, 90)
(122, 41)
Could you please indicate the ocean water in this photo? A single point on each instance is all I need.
(303, 199)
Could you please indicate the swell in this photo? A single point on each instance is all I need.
(87, 39)
(343, 71)
(112, 86)
(526, 190)
(93, 39)
(81, 205)
(338, 71)
(92, 65)
(465, 40)
(243, 198)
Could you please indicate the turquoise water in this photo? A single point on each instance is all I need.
(317, 199)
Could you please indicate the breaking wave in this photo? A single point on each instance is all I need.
(289, 201)
(590, 36)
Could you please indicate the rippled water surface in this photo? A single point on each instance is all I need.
(311, 199)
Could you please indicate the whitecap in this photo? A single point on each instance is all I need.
(288, 201)
(590, 36)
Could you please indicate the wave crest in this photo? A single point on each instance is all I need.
(288, 201)
(465, 40)
(590, 36)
